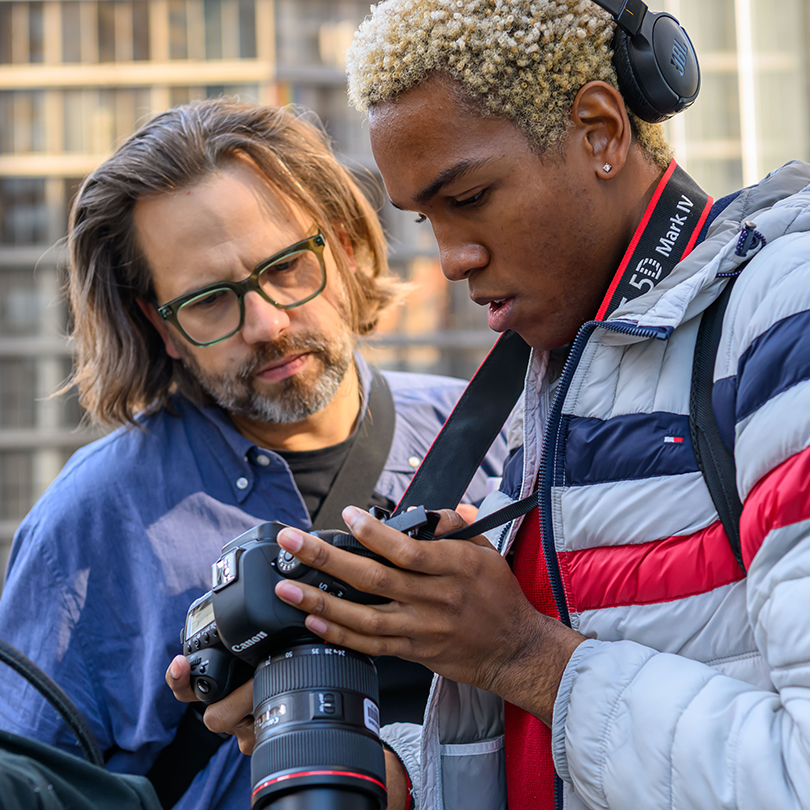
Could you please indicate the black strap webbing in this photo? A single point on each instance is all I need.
(715, 460)
(467, 434)
(507, 514)
(193, 745)
(464, 440)
(365, 462)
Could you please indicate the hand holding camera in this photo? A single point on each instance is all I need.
(452, 605)
(232, 715)
(316, 706)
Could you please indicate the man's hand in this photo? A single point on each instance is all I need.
(455, 607)
(467, 512)
(178, 677)
(231, 715)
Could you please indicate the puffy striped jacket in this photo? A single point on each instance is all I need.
(693, 690)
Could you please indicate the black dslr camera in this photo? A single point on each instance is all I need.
(316, 706)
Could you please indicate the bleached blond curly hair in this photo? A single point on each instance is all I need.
(525, 60)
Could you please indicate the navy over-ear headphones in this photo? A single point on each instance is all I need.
(656, 63)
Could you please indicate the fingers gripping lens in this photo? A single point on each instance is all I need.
(286, 280)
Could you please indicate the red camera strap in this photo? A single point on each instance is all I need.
(667, 232)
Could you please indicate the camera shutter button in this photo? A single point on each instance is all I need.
(287, 564)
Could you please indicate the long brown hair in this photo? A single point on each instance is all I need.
(121, 366)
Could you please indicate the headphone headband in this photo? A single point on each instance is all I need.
(628, 14)
(654, 58)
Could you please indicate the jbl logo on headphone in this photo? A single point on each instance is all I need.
(679, 56)
(656, 65)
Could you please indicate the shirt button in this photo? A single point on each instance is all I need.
(242, 483)
(414, 461)
(262, 460)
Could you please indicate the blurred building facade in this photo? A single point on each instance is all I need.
(77, 76)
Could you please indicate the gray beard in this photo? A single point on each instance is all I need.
(294, 398)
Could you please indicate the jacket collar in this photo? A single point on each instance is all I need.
(778, 205)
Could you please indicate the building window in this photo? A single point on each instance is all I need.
(71, 33)
(19, 385)
(16, 491)
(5, 33)
(247, 29)
(22, 309)
(22, 121)
(140, 31)
(36, 33)
(23, 213)
(106, 31)
(178, 30)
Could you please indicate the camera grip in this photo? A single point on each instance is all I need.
(215, 673)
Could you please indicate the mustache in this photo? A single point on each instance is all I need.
(281, 348)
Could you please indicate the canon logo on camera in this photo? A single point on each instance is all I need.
(250, 642)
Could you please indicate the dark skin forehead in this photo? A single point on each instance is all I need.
(410, 104)
(550, 226)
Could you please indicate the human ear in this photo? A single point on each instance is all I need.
(600, 120)
(162, 328)
(348, 248)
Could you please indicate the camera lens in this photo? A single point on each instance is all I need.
(317, 731)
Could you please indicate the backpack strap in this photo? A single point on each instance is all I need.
(437, 482)
(466, 436)
(365, 462)
(715, 460)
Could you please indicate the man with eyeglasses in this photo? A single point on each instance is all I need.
(223, 266)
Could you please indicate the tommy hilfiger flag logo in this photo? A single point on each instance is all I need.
(673, 439)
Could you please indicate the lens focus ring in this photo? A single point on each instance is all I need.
(338, 669)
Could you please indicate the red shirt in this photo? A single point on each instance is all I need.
(529, 765)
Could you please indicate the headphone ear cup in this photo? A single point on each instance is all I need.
(634, 96)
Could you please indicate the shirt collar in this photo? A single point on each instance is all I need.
(241, 456)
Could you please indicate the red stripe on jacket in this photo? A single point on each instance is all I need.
(529, 763)
(647, 573)
(779, 499)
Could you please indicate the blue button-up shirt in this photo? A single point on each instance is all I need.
(104, 568)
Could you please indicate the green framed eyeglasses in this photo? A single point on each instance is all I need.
(287, 280)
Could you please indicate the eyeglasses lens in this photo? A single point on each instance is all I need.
(292, 279)
(210, 316)
(286, 282)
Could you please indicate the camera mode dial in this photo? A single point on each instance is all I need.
(288, 565)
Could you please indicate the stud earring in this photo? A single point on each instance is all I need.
(606, 168)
